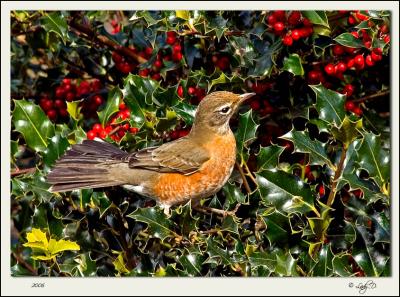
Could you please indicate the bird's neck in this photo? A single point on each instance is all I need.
(201, 130)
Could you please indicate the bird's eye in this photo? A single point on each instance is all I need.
(225, 110)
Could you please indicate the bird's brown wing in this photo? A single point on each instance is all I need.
(181, 156)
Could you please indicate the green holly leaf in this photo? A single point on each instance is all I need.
(286, 265)
(268, 157)
(223, 79)
(347, 39)
(230, 224)
(376, 160)
(330, 105)
(112, 106)
(233, 194)
(303, 144)
(286, 192)
(185, 111)
(316, 17)
(31, 186)
(30, 120)
(14, 147)
(265, 259)
(370, 259)
(341, 265)
(277, 228)
(293, 65)
(55, 149)
(192, 261)
(216, 254)
(381, 224)
(348, 131)
(119, 264)
(55, 22)
(160, 226)
(343, 237)
(246, 132)
(324, 264)
(182, 216)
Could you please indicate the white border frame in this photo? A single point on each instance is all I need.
(191, 286)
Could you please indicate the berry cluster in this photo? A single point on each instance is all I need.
(291, 28)
(69, 90)
(122, 64)
(196, 94)
(116, 27)
(221, 61)
(116, 128)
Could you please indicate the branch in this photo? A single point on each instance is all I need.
(22, 171)
(245, 183)
(372, 96)
(105, 41)
(338, 173)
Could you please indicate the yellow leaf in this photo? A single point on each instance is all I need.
(74, 109)
(119, 264)
(183, 14)
(43, 258)
(56, 247)
(37, 235)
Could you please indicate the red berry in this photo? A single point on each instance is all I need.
(103, 134)
(375, 57)
(350, 50)
(158, 64)
(280, 15)
(321, 190)
(67, 88)
(177, 48)
(359, 60)
(349, 105)
(183, 133)
(191, 90)
(177, 56)
(368, 44)
(287, 40)
(122, 106)
(91, 134)
(96, 85)
(70, 97)
(350, 63)
(386, 39)
(361, 17)
(59, 103)
(384, 28)
(358, 111)
(121, 133)
(52, 114)
(66, 81)
(148, 51)
(63, 112)
(126, 126)
(338, 50)
(271, 19)
(314, 77)
(133, 130)
(378, 51)
(341, 67)
(369, 61)
(98, 100)
(156, 76)
(97, 128)
(125, 114)
(117, 58)
(171, 34)
(46, 104)
(255, 105)
(355, 34)
(307, 22)
(167, 58)
(171, 40)
(305, 32)
(351, 20)
(144, 72)
(296, 35)
(60, 92)
(108, 129)
(294, 18)
(349, 89)
(179, 91)
(279, 27)
(125, 68)
(330, 69)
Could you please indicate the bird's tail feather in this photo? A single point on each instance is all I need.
(85, 166)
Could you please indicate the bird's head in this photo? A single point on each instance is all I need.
(216, 109)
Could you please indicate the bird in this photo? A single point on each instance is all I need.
(190, 168)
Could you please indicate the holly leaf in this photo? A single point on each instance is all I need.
(347, 39)
(112, 106)
(233, 194)
(192, 261)
(268, 157)
(293, 65)
(30, 120)
(265, 259)
(373, 158)
(341, 265)
(119, 264)
(324, 264)
(303, 144)
(57, 246)
(31, 186)
(370, 259)
(185, 111)
(55, 149)
(329, 104)
(160, 226)
(55, 22)
(348, 131)
(316, 17)
(286, 265)
(74, 109)
(246, 132)
(286, 192)
(277, 228)
(216, 254)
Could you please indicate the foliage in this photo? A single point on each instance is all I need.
(311, 196)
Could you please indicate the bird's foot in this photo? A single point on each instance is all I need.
(220, 212)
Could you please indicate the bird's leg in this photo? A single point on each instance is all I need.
(167, 209)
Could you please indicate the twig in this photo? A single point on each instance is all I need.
(104, 40)
(372, 96)
(24, 263)
(22, 171)
(245, 183)
(115, 130)
(338, 172)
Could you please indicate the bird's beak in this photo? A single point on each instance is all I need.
(245, 96)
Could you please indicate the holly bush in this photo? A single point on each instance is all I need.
(310, 193)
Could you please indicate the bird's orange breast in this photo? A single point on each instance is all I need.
(172, 188)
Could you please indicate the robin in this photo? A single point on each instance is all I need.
(192, 167)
